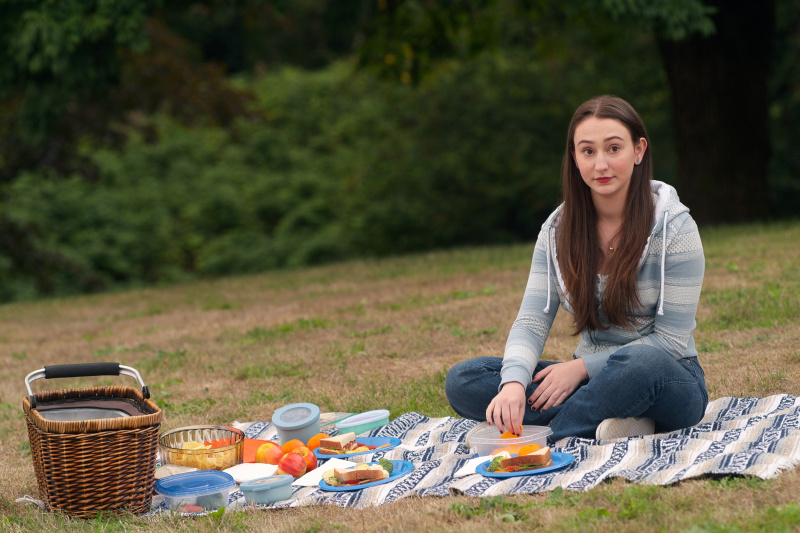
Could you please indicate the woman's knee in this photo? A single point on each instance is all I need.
(469, 383)
(640, 360)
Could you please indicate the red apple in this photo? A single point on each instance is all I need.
(293, 464)
(269, 453)
(308, 455)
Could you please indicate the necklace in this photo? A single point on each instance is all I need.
(609, 240)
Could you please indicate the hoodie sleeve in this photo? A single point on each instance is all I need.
(531, 328)
(683, 270)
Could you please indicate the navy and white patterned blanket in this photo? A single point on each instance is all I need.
(745, 436)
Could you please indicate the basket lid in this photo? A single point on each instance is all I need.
(194, 483)
(295, 416)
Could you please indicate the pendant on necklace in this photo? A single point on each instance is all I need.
(610, 248)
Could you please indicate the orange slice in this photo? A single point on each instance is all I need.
(529, 448)
(509, 435)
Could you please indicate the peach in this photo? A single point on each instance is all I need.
(292, 464)
(269, 453)
(308, 455)
(313, 442)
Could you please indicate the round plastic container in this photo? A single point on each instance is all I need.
(363, 422)
(196, 491)
(296, 421)
(485, 439)
(267, 489)
(221, 447)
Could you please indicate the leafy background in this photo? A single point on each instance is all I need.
(165, 142)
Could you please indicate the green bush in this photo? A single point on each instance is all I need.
(338, 165)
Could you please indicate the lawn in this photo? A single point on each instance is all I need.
(381, 334)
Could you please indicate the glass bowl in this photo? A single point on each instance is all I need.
(202, 447)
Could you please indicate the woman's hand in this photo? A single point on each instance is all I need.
(558, 382)
(506, 410)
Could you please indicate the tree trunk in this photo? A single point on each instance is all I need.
(719, 106)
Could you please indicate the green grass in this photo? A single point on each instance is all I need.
(771, 304)
(424, 395)
(496, 507)
(780, 519)
(763, 262)
(280, 369)
(259, 334)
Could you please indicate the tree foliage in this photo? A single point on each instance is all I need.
(150, 142)
(670, 19)
(58, 53)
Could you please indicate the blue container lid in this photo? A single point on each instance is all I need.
(295, 416)
(266, 483)
(195, 483)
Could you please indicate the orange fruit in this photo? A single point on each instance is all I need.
(529, 448)
(313, 442)
(291, 445)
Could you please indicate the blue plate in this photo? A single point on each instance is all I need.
(401, 468)
(369, 441)
(560, 460)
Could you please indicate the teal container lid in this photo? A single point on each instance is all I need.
(295, 416)
(195, 483)
(266, 483)
(370, 418)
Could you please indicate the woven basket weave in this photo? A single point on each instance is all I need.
(88, 466)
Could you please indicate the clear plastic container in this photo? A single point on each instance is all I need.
(363, 422)
(485, 439)
(201, 490)
(179, 447)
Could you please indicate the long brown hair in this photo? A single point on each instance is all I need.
(579, 253)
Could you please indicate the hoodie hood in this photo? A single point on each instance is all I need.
(667, 207)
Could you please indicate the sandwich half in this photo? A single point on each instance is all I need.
(336, 445)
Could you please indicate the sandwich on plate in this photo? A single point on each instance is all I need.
(531, 461)
(360, 474)
(342, 444)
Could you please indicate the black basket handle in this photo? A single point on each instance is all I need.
(82, 370)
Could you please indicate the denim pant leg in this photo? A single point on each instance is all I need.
(472, 384)
(637, 381)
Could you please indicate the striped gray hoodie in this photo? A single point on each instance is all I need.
(670, 278)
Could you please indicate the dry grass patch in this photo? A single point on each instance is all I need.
(372, 334)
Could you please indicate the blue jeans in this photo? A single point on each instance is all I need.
(636, 381)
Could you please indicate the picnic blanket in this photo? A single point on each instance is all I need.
(744, 436)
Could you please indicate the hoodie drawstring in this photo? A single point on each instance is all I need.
(663, 262)
(547, 307)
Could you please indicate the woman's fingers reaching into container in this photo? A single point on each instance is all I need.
(507, 409)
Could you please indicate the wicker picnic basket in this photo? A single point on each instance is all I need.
(94, 449)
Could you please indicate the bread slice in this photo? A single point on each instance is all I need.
(338, 442)
(363, 474)
(537, 459)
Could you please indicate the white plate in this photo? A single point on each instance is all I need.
(250, 471)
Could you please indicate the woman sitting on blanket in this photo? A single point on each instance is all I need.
(623, 256)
